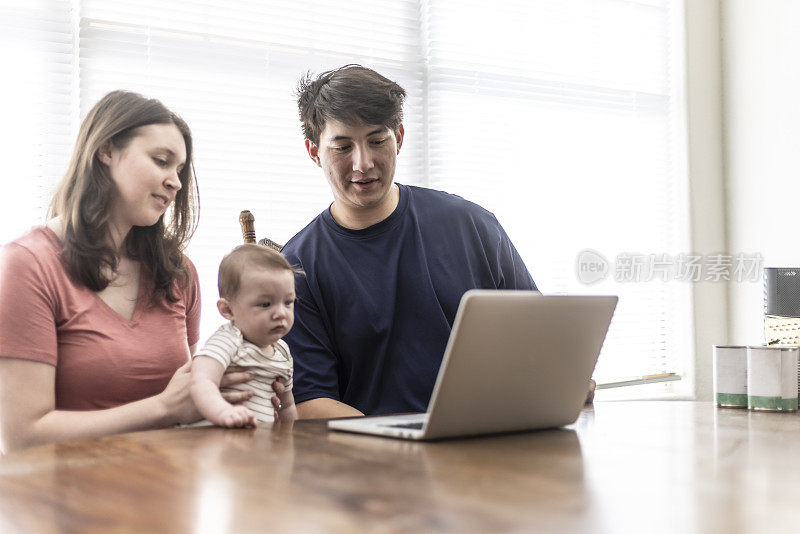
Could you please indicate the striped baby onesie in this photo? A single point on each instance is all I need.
(228, 347)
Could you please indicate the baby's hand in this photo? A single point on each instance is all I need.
(236, 417)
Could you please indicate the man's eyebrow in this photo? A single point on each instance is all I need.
(346, 138)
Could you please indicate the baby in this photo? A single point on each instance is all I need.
(256, 289)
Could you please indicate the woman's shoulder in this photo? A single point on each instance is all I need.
(186, 274)
(188, 281)
(185, 288)
(40, 245)
(31, 264)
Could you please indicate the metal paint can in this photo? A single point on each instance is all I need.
(772, 378)
(730, 376)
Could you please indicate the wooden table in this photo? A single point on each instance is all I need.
(623, 467)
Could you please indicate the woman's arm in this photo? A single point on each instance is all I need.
(28, 416)
(29, 291)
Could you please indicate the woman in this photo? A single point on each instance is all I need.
(99, 308)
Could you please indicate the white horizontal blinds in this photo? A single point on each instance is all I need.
(36, 108)
(230, 69)
(562, 118)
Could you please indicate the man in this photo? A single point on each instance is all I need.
(386, 265)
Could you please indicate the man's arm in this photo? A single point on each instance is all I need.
(324, 408)
(513, 274)
(316, 378)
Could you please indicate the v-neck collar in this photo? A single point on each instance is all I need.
(140, 292)
(140, 298)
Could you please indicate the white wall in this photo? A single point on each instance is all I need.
(705, 164)
(761, 125)
(743, 137)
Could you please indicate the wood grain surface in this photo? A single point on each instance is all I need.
(623, 467)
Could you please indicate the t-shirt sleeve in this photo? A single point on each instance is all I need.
(315, 361)
(27, 304)
(512, 271)
(221, 347)
(193, 305)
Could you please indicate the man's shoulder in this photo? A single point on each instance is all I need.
(444, 205)
(305, 238)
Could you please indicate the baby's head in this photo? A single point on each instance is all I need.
(256, 290)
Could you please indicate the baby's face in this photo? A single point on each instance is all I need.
(264, 306)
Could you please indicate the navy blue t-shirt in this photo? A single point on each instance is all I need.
(376, 306)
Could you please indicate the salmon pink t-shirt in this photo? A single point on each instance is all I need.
(102, 359)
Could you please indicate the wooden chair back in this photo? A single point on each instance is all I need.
(247, 222)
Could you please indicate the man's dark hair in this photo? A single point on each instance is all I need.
(351, 95)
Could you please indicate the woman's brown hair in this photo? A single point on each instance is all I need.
(84, 196)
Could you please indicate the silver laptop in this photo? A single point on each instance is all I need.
(516, 360)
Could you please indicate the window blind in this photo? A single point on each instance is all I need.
(36, 95)
(565, 120)
(230, 69)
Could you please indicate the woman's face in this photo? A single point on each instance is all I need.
(146, 174)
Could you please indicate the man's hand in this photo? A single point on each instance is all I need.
(283, 403)
(590, 395)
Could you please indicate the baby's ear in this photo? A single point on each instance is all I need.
(224, 308)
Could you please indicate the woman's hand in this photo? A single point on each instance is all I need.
(235, 375)
(232, 377)
(176, 400)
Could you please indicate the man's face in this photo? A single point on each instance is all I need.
(359, 163)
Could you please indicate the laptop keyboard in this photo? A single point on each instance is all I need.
(417, 426)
